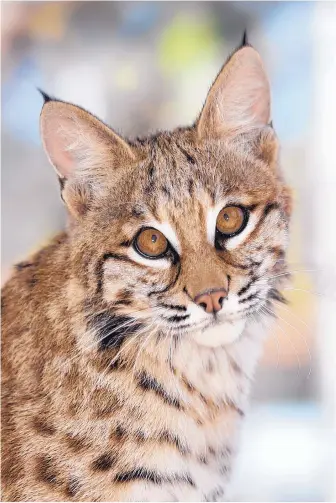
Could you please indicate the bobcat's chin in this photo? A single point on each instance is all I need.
(219, 334)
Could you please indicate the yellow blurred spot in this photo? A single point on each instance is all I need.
(127, 78)
(186, 41)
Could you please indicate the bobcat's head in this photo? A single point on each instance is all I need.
(182, 233)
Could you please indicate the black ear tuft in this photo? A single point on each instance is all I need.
(244, 41)
(45, 96)
(271, 124)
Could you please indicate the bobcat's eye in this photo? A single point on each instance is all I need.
(231, 220)
(151, 243)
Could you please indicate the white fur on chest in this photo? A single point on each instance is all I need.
(214, 373)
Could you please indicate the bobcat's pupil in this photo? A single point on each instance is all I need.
(226, 217)
(154, 238)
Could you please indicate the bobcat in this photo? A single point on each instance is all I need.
(130, 341)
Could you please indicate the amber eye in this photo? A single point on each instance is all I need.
(231, 220)
(151, 243)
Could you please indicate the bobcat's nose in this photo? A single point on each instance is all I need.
(211, 300)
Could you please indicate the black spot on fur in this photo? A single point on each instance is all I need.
(137, 211)
(276, 295)
(177, 319)
(46, 470)
(103, 463)
(115, 364)
(247, 299)
(75, 442)
(270, 207)
(170, 438)
(120, 432)
(42, 427)
(246, 287)
(215, 494)
(209, 366)
(191, 187)
(73, 487)
(235, 407)
(139, 474)
(279, 252)
(112, 329)
(149, 383)
(23, 265)
(188, 156)
(140, 436)
(126, 243)
(124, 298)
(254, 263)
(32, 281)
(61, 181)
(171, 306)
(166, 190)
(154, 477)
(151, 173)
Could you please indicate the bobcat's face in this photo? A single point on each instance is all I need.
(182, 234)
(190, 241)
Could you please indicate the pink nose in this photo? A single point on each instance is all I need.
(211, 300)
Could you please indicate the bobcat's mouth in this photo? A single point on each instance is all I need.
(219, 333)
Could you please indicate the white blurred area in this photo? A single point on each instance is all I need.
(147, 65)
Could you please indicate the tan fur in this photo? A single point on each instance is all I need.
(154, 414)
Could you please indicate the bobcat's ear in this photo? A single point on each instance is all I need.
(239, 99)
(82, 150)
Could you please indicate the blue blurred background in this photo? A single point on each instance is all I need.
(141, 66)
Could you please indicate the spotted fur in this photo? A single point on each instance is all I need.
(117, 386)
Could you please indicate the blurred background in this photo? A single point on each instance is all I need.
(141, 66)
